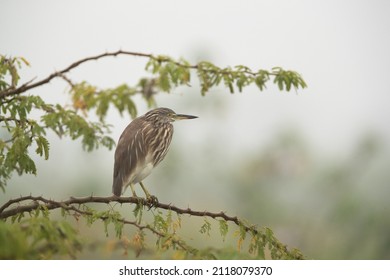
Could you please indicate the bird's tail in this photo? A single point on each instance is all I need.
(117, 186)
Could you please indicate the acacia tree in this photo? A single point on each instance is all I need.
(28, 228)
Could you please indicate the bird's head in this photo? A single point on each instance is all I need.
(165, 115)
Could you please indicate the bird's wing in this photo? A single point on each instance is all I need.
(129, 152)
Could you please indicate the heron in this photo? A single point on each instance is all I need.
(141, 147)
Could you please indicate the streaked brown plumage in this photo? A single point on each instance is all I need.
(143, 145)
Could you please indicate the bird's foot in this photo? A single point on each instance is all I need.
(151, 201)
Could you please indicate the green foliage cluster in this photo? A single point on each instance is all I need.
(38, 237)
(26, 119)
(241, 76)
(19, 131)
(175, 73)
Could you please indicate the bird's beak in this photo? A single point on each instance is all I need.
(178, 117)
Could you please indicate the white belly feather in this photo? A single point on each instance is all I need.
(141, 172)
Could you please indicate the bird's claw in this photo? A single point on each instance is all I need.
(151, 201)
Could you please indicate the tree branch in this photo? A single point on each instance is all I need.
(29, 85)
(52, 204)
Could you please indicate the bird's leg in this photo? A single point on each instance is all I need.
(150, 198)
(145, 190)
(133, 191)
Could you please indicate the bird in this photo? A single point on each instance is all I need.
(141, 147)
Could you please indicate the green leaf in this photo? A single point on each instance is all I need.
(42, 146)
(159, 223)
(138, 212)
(223, 228)
(269, 234)
(206, 227)
(260, 252)
(25, 61)
(164, 81)
(260, 82)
